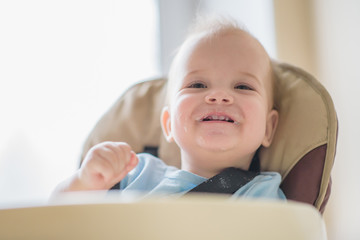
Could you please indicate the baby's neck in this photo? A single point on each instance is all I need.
(212, 165)
(201, 172)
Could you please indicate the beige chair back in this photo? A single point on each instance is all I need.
(304, 146)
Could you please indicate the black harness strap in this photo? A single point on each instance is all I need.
(226, 182)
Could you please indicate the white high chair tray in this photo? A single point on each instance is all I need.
(192, 217)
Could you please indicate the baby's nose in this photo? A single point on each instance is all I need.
(219, 97)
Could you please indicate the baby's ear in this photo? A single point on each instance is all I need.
(271, 124)
(166, 124)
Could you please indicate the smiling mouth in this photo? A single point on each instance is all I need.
(218, 118)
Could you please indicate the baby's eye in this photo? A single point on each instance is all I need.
(243, 87)
(197, 85)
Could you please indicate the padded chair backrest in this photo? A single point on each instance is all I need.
(303, 149)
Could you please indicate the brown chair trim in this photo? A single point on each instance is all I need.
(304, 180)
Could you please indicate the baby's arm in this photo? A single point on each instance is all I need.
(104, 165)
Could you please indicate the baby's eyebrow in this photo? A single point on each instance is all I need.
(251, 76)
(192, 76)
(193, 72)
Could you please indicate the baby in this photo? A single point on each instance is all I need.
(219, 112)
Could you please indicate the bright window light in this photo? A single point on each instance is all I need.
(62, 65)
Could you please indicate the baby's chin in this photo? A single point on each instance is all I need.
(215, 144)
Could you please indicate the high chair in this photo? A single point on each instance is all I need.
(303, 149)
(302, 152)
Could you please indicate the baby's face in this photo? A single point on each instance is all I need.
(221, 104)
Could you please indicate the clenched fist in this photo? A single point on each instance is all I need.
(104, 165)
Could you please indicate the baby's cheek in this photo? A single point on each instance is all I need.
(181, 124)
(256, 120)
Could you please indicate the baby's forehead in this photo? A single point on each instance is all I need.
(223, 44)
(239, 40)
(213, 37)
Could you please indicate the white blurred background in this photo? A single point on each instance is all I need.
(64, 63)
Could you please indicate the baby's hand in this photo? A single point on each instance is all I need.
(105, 165)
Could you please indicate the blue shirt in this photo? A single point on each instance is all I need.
(153, 177)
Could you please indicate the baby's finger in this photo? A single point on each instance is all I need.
(99, 174)
(117, 154)
(133, 162)
(120, 149)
